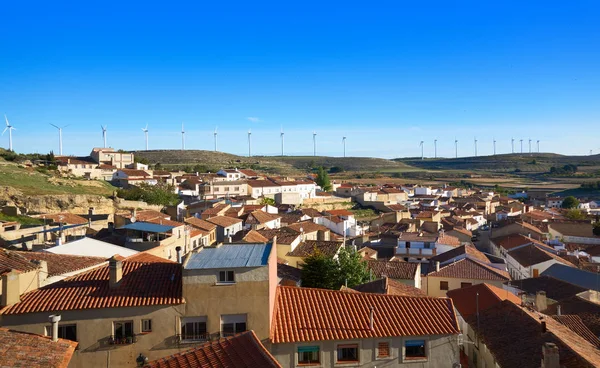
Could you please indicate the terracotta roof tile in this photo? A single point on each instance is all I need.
(284, 235)
(469, 269)
(287, 272)
(389, 286)
(344, 213)
(223, 221)
(200, 224)
(135, 173)
(514, 337)
(240, 351)
(575, 324)
(393, 269)
(254, 236)
(307, 247)
(466, 300)
(530, 255)
(574, 229)
(59, 264)
(555, 289)
(305, 314)
(161, 221)
(512, 241)
(64, 217)
(261, 217)
(307, 227)
(466, 250)
(20, 349)
(10, 260)
(147, 280)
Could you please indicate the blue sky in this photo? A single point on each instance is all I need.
(385, 74)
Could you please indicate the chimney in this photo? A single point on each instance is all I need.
(372, 319)
(54, 319)
(540, 301)
(550, 356)
(43, 273)
(558, 312)
(544, 328)
(10, 288)
(90, 211)
(178, 250)
(437, 266)
(115, 270)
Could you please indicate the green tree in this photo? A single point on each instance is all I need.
(575, 214)
(352, 269)
(267, 201)
(319, 271)
(160, 194)
(570, 202)
(323, 179)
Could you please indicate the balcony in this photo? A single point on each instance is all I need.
(192, 338)
(115, 340)
(416, 252)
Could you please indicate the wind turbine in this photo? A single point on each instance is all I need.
(538, 145)
(281, 135)
(530, 146)
(145, 130)
(435, 148)
(512, 145)
(182, 137)
(103, 134)
(60, 151)
(521, 145)
(249, 143)
(421, 144)
(494, 146)
(314, 143)
(10, 128)
(456, 147)
(215, 134)
(344, 144)
(475, 140)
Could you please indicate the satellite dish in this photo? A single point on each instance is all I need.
(133, 219)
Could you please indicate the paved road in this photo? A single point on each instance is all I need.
(483, 241)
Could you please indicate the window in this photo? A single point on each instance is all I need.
(193, 329)
(123, 332)
(237, 189)
(465, 284)
(146, 325)
(232, 324)
(347, 353)
(414, 349)
(227, 189)
(383, 350)
(226, 277)
(309, 355)
(68, 332)
(443, 285)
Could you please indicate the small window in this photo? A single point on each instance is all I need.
(309, 355)
(347, 353)
(414, 349)
(194, 329)
(68, 332)
(236, 189)
(465, 284)
(383, 350)
(226, 277)
(146, 325)
(232, 324)
(443, 285)
(123, 332)
(227, 189)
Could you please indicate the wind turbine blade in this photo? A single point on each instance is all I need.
(5, 129)
(66, 125)
(6, 119)
(54, 126)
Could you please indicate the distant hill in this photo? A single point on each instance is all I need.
(276, 164)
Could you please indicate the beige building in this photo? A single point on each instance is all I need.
(109, 156)
(362, 330)
(229, 289)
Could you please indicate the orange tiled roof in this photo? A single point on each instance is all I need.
(307, 227)
(239, 351)
(59, 264)
(466, 299)
(391, 287)
(469, 269)
(254, 236)
(147, 280)
(21, 349)
(10, 260)
(306, 314)
(200, 224)
(262, 217)
(393, 269)
(65, 218)
(575, 324)
(223, 221)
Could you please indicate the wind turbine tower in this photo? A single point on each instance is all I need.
(456, 148)
(530, 146)
(145, 130)
(435, 148)
(421, 144)
(10, 129)
(182, 138)
(494, 146)
(104, 134)
(512, 145)
(538, 145)
(60, 151)
(521, 145)
(344, 144)
(314, 143)
(475, 140)
(281, 135)
(215, 134)
(249, 143)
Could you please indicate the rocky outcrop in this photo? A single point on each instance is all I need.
(74, 203)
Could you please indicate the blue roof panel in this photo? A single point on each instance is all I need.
(230, 256)
(148, 227)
